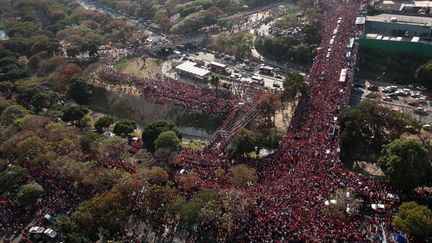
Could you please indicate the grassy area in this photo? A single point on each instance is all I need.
(193, 144)
(135, 66)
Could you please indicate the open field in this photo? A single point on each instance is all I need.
(135, 66)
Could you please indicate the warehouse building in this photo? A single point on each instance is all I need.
(400, 25)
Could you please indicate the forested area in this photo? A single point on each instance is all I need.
(298, 34)
(181, 17)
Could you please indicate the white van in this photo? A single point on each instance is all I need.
(257, 79)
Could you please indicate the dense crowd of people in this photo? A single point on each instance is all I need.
(306, 171)
(57, 197)
(169, 91)
(297, 180)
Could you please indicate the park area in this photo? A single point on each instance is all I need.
(140, 67)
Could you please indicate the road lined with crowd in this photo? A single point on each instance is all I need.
(300, 179)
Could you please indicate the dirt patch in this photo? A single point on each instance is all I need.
(370, 169)
(284, 115)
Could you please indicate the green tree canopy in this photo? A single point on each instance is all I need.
(415, 220)
(293, 84)
(12, 113)
(268, 106)
(103, 123)
(29, 193)
(89, 140)
(405, 163)
(168, 140)
(368, 126)
(124, 128)
(424, 74)
(243, 176)
(246, 142)
(79, 90)
(152, 131)
(11, 176)
(158, 175)
(194, 210)
(113, 148)
(74, 113)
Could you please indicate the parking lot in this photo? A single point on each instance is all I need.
(238, 70)
(412, 98)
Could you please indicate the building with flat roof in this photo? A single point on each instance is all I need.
(400, 25)
(404, 7)
(190, 69)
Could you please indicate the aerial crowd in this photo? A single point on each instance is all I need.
(166, 90)
(295, 181)
(306, 171)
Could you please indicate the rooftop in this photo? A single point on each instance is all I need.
(403, 19)
(389, 7)
(190, 67)
(396, 38)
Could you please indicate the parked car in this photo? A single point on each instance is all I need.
(359, 86)
(421, 88)
(387, 90)
(420, 111)
(421, 100)
(257, 79)
(358, 89)
(36, 230)
(413, 103)
(427, 127)
(372, 88)
(50, 233)
(387, 98)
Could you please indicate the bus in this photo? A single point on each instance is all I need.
(343, 75)
(350, 44)
(266, 70)
(332, 42)
(257, 79)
